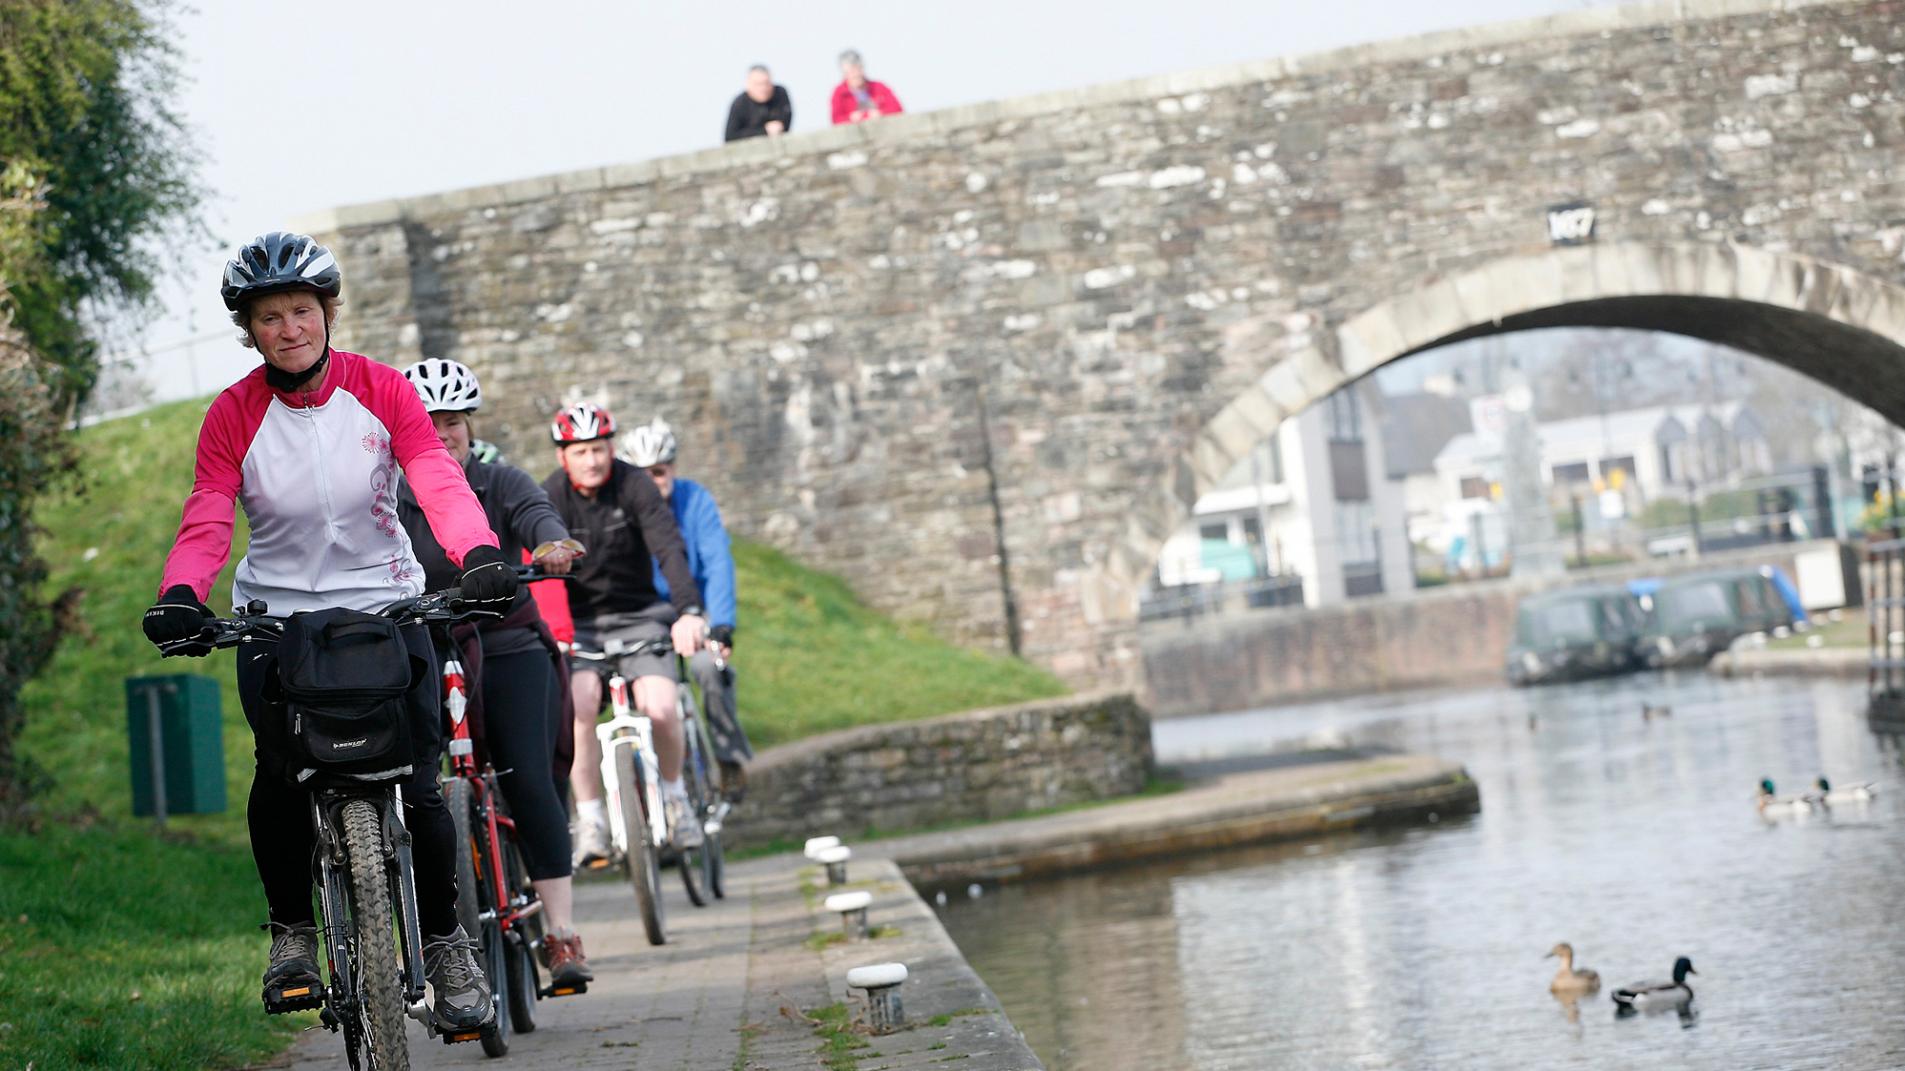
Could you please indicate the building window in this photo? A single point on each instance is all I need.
(1214, 533)
(1474, 487)
(1345, 417)
(1573, 472)
(1622, 465)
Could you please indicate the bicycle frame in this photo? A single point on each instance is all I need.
(509, 906)
(628, 727)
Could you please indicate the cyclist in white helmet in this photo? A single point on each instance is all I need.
(517, 675)
(652, 448)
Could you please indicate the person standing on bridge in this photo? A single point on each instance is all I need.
(763, 109)
(856, 99)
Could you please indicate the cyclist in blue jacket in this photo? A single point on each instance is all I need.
(652, 448)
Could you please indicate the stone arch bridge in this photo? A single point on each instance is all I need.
(981, 360)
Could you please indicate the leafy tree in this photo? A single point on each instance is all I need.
(96, 166)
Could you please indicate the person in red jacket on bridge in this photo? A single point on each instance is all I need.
(855, 99)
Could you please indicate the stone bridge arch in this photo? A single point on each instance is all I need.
(1839, 326)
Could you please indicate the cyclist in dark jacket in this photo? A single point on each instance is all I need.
(617, 513)
(520, 697)
(310, 443)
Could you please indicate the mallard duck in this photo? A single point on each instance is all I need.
(1648, 711)
(1772, 805)
(1645, 996)
(1569, 979)
(1858, 792)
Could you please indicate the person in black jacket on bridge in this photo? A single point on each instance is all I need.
(761, 110)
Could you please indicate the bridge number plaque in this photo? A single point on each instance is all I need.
(1571, 224)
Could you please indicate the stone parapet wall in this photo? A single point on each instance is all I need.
(979, 765)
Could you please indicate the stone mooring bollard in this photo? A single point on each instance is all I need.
(882, 984)
(835, 860)
(816, 845)
(852, 907)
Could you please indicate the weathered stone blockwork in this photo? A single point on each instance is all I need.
(984, 764)
(979, 360)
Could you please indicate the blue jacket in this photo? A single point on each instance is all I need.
(708, 556)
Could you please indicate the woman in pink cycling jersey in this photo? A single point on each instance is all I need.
(310, 443)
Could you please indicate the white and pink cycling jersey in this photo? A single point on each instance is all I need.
(317, 476)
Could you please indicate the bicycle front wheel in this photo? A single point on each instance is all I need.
(527, 934)
(460, 802)
(379, 985)
(644, 867)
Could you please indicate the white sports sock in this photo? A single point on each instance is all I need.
(593, 812)
(674, 788)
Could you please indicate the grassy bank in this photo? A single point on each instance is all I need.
(111, 909)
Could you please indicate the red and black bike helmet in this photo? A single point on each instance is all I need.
(581, 423)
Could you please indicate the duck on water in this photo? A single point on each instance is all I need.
(1658, 996)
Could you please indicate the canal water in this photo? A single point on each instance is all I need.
(1634, 839)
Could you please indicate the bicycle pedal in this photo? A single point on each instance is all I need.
(454, 1037)
(283, 1000)
(568, 989)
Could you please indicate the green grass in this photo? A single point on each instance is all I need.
(811, 658)
(839, 1044)
(1850, 631)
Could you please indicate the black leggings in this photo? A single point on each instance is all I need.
(520, 723)
(279, 812)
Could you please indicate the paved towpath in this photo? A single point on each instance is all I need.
(731, 989)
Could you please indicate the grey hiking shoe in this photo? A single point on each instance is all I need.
(291, 978)
(461, 997)
(684, 825)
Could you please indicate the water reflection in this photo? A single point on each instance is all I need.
(1635, 838)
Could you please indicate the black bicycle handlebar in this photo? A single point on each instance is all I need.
(251, 625)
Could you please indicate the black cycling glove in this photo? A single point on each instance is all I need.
(723, 635)
(487, 577)
(178, 615)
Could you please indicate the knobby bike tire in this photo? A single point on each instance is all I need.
(378, 985)
(644, 868)
(693, 862)
(474, 854)
(717, 868)
(461, 803)
(519, 964)
(495, 1039)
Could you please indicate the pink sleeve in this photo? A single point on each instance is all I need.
(884, 99)
(456, 517)
(204, 542)
(842, 103)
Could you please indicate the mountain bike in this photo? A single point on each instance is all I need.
(638, 827)
(496, 902)
(367, 897)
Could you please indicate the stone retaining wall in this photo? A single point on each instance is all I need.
(1440, 636)
(979, 765)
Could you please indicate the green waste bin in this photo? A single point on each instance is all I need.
(188, 744)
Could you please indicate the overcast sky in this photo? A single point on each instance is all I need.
(302, 107)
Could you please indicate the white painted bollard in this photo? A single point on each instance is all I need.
(852, 907)
(816, 845)
(835, 860)
(882, 984)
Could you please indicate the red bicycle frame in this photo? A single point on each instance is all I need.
(463, 764)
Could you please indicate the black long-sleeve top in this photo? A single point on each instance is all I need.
(628, 530)
(748, 118)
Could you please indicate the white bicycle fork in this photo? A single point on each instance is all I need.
(628, 728)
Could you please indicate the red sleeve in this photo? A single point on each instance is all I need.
(552, 599)
(456, 517)
(884, 99)
(204, 542)
(842, 103)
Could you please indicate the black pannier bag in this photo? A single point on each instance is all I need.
(344, 674)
